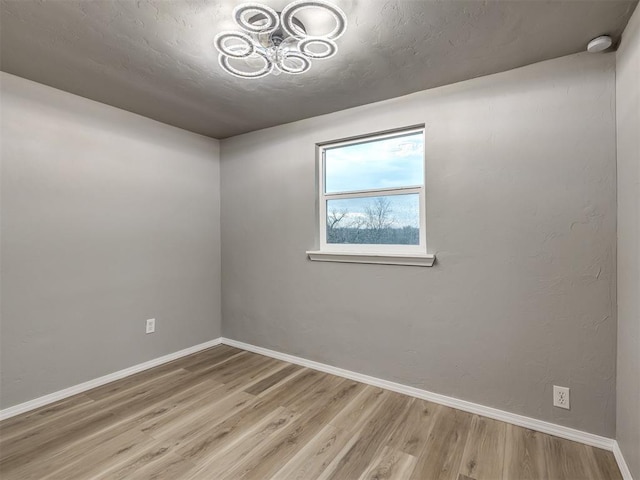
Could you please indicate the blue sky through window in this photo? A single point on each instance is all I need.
(385, 163)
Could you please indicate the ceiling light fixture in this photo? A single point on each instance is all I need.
(275, 42)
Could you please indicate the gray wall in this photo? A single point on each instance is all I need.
(108, 219)
(628, 122)
(521, 214)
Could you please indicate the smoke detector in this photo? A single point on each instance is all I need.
(599, 44)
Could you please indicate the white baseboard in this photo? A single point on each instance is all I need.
(96, 382)
(622, 464)
(508, 417)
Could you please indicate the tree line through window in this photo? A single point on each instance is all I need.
(376, 226)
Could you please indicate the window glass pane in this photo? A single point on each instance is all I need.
(385, 163)
(388, 220)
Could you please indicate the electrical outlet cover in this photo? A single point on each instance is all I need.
(561, 397)
(150, 325)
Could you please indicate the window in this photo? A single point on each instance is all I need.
(372, 199)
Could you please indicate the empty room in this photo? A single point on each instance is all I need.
(320, 239)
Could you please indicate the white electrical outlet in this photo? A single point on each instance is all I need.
(561, 397)
(150, 326)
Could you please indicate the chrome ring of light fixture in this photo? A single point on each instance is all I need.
(305, 64)
(289, 12)
(277, 41)
(241, 12)
(224, 61)
(330, 47)
(235, 51)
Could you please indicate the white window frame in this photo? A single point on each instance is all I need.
(371, 253)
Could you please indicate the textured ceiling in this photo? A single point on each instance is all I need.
(155, 57)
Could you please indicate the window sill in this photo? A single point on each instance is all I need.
(414, 260)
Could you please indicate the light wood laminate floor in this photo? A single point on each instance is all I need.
(228, 414)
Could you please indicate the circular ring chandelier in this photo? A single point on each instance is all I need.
(276, 42)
